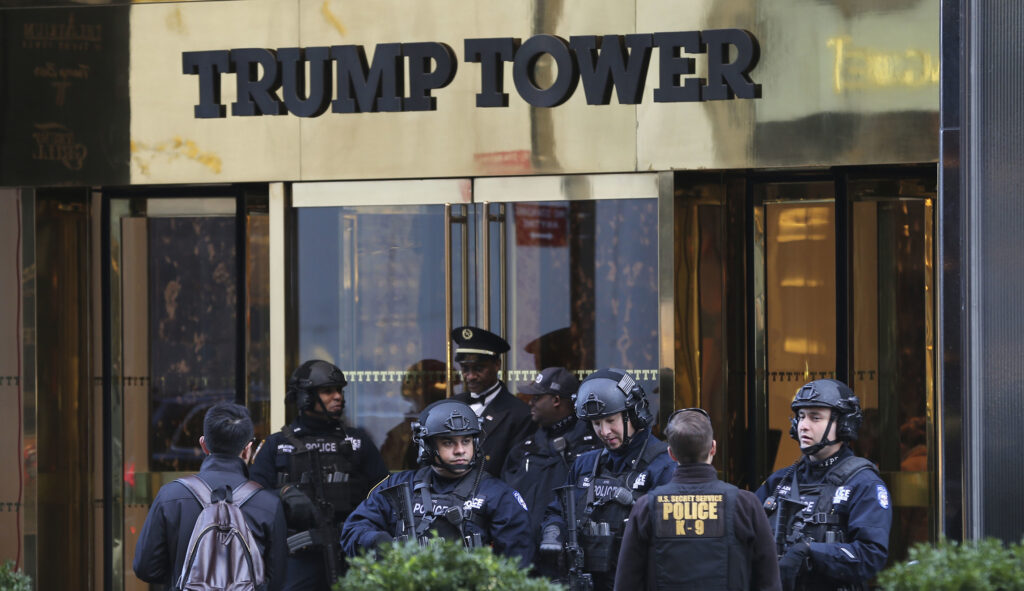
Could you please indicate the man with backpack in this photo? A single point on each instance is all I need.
(176, 546)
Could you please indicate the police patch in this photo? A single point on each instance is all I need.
(842, 494)
(520, 499)
(883, 497)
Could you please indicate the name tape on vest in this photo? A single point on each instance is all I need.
(689, 516)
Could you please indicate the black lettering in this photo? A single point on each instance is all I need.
(605, 62)
(293, 80)
(566, 78)
(422, 79)
(726, 79)
(491, 55)
(208, 65)
(363, 88)
(256, 94)
(673, 66)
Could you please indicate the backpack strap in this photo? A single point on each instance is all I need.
(245, 492)
(203, 493)
(198, 487)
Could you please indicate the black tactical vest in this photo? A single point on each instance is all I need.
(450, 513)
(603, 511)
(815, 518)
(693, 540)
(332, 452)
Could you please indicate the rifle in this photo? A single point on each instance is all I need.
(578, 580)
(399, 496)
(325, 534)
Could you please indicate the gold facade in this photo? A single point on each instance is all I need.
(855, 83)
(843, 83)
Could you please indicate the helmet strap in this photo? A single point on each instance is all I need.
(626, 437)
(320, 408)
(825, 442)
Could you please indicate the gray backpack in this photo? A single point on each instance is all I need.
(222, 553)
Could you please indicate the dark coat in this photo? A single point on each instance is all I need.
(536, 469)
(865, 513)
(160, 550)
(505, 422)
(750, 529)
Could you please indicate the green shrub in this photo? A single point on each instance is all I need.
(12, 579)
(982, 565)
(440, 565)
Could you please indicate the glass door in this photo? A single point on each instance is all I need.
(188, 307)
(579, 260)
(848, 293)
(565, 268)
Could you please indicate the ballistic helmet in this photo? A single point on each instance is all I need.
(610, 391)
(834, 395)
(445, 418)
(309, 376)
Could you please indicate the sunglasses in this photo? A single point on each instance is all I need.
(692, 409)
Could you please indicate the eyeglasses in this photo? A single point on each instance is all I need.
(692, 409)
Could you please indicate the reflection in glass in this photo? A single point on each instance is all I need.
(892, 348)
(371, 300)
(800, 297)
(193, 283)
(584, 289)
(582, 292)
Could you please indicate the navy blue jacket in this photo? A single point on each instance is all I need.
(501, 509)
(536, 469)
(865, 512)
(160, 550)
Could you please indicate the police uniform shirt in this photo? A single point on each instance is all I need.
(750, 528)
(864, 508)
(503, 512)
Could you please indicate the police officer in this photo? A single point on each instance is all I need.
(321, 468)
(696, 532)
(830, 510)
(607, 481)
(504, 418)
(450, 494)
(538, 465)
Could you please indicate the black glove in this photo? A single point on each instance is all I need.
(792, 563)
(551, 541)
(380, 539)
(299, 510)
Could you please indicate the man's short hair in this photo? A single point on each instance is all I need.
(689, 436)
(227, 427)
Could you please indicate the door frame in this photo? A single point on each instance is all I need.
(285, 198)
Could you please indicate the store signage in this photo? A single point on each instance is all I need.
(341, 78)
(541, 225)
